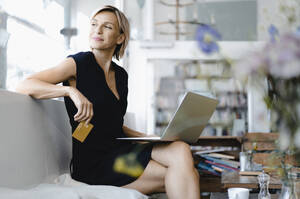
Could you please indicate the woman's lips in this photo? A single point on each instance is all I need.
(97, 39)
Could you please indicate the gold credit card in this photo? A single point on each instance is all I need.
(82, 131)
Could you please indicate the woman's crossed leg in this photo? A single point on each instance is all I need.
(172, 170)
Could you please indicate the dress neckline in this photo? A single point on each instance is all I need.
(99, 68)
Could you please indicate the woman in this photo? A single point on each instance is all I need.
(95, 90)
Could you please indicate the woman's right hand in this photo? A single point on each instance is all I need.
(84, 106)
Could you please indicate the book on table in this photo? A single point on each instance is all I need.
(221, 156)
(231, 163)
(222, 166)
(206, 168)
(217, 169)
(215, 163)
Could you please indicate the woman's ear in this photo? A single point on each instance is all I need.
(121, 38)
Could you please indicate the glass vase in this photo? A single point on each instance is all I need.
(291, 187)
(264, 180)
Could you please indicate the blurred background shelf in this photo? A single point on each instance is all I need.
(208, 78)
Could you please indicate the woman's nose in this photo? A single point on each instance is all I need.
(99, 29)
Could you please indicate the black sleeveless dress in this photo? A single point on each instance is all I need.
(92, 161)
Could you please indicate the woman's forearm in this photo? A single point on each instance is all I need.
(42, 90)
(132, 133)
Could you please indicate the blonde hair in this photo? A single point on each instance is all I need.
(123, 26)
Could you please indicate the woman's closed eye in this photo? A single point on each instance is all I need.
(109, 27)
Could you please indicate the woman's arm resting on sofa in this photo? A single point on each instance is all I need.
(42, 85)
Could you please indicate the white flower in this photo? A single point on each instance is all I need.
(280, 59)
(250, 65)
(283, 57)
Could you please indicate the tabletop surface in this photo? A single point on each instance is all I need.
(225, 196)
(233, 179)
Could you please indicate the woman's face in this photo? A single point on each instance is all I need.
(104, 31)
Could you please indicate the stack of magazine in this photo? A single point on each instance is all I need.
(215, 163)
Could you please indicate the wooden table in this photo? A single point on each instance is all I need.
(225, 196)
(232, 141)
(233, 179)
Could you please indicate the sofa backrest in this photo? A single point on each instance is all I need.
(35, 140)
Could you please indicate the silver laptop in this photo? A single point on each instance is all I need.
(189, 120)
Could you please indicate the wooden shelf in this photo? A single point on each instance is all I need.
(234, 141)
(231, 107)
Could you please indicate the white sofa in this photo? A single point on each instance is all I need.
(35, 150)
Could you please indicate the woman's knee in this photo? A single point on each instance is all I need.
(174, 154)
(182, 152)
(181, 146)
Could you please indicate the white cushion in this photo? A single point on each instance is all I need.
(98, 191)
(67, 188)
(45, 191)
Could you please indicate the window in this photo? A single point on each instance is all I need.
(35, 42)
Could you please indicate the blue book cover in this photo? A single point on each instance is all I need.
(221, 166)
(206, 167)
(220, 161)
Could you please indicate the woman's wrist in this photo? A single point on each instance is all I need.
(69, 90)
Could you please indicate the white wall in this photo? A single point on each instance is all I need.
(258, 114)
(269, 13)
(265, 8)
